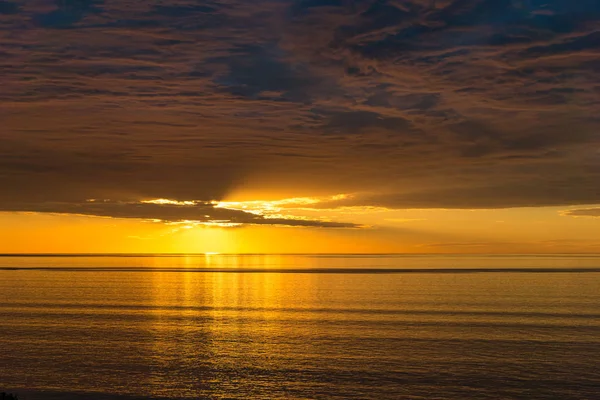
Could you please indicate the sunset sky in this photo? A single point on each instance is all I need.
(421, 126)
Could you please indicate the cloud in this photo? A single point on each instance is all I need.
(68, 13)
(420, 103)
(583, 212)
(352, 122)
(469, 244)
(520, 193)
(172, 212)
(254, 70)
(8, 7)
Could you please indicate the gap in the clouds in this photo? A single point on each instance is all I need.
(519, 230)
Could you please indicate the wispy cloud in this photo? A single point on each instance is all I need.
(582, 212)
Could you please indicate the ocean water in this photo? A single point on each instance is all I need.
(300, 327)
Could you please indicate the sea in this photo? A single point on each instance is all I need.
(328, 326)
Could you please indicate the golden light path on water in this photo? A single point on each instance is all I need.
(158, 326)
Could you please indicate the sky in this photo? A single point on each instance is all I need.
(419, 126)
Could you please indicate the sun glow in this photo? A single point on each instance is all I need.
(170, 202)
(541, 230)
(274, 208)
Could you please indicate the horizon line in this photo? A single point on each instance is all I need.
(208, 254)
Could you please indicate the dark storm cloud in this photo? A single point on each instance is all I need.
(200, 212)
(255, 70)
(425, 103)
(8, 7)
(68, 13)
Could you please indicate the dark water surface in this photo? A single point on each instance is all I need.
(301, 327)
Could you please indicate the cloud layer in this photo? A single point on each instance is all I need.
(422, 103)
(194, 213)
